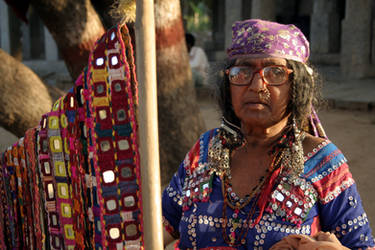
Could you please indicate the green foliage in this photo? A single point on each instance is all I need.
(198, 16)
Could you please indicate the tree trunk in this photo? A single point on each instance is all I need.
(180, 122)
(75, 26)
(23, 97)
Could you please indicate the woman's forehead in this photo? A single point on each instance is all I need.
(262, 61)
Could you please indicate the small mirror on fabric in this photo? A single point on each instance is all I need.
(99, 89)
(117, 87)
(47, 168)
(129, 201)
(72, 102)
(114, 60)
(57, 144)
(102, 114)
(63, 190)
(54, 220)
(105, 146)
(111, 205)
(99, 61)
(114, 233)
(126, 172)
(131, 230)
(123, 144)
(50, 191)
(108, 176)
(121, 115)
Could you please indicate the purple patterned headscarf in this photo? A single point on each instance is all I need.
(259, 38)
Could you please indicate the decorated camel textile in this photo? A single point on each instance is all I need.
(73, 182)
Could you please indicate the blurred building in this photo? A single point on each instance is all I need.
(31, 43)
(341, 32)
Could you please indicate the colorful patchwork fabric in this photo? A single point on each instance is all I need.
(73, 182)
(323, 198)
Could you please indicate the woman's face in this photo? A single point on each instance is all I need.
(259, 105)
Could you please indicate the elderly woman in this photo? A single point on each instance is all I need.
(262, 176)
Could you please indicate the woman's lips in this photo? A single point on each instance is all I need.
(255, 104)
(255, 101)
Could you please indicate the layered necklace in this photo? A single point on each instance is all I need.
(232, 200)
(235, 229)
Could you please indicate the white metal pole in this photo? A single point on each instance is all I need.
(148, 124)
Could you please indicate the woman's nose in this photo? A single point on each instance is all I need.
(256, 83)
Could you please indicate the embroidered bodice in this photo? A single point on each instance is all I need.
(324, 197)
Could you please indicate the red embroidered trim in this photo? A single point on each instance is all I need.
(317, 149)
(335, 183)
(132, 87)
(30, 138)
(73, 135)
(315, 225)
(105, 117)
(322, 162)
(3, 207)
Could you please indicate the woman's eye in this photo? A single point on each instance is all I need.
(244, 72)
(277, 71)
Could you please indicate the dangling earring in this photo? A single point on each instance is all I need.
(229, 127)
(234, 137)
(297, 154)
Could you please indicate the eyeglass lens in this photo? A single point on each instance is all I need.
(272, 75)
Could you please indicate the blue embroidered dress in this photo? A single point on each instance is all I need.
(323, 198)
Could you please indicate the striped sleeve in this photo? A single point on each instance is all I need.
(340, 207)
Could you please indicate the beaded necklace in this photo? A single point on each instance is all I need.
(232, 239)
(229, 139)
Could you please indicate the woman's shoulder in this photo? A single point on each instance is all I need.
(204, 140)
(315, 147)
(209, 134)
(321, 157)
(311, 142)
(327, 169)
(198, 153)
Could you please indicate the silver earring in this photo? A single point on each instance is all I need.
(294, 156)
(297, 149)
(232, 132)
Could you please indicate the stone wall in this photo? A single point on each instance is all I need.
(357, 40)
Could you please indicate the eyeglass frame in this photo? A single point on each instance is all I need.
(260, 71)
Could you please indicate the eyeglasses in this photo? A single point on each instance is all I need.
(273, 75)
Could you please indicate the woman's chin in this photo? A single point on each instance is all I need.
(255, 122)
(255, 115)
(261, 120)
